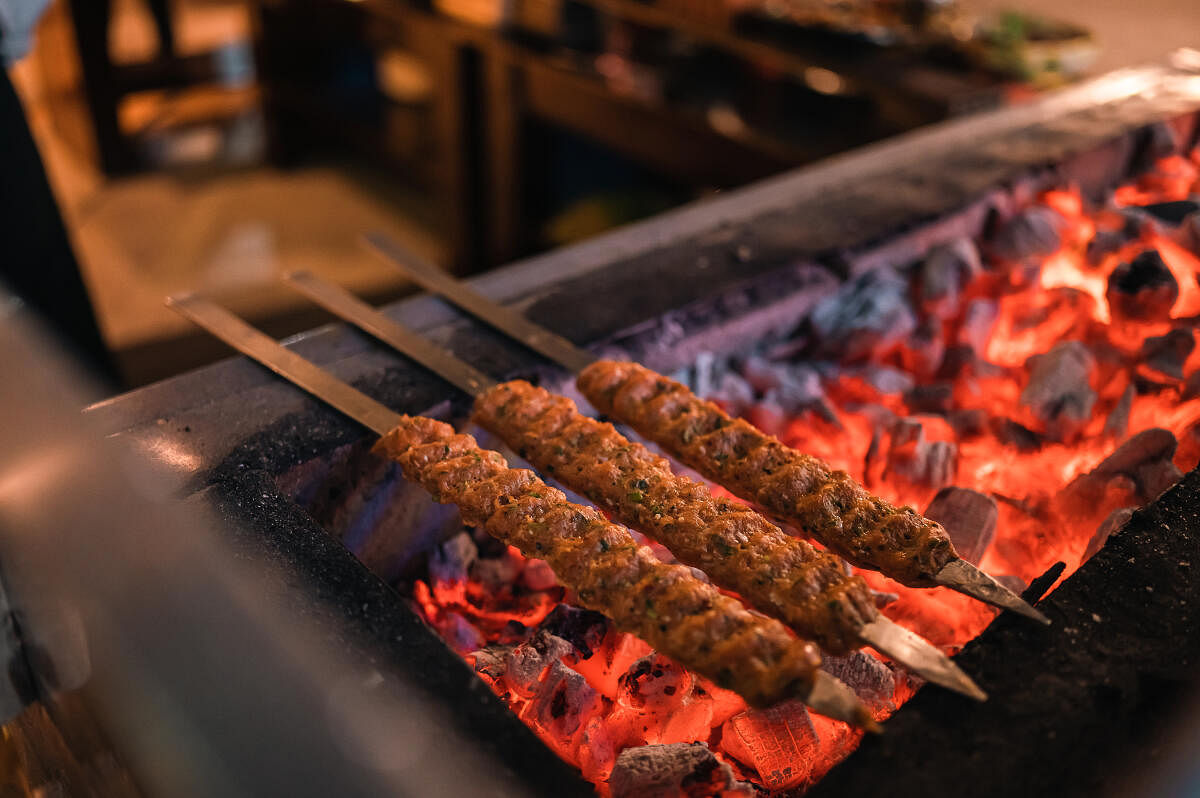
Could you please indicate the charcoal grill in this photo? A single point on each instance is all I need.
(714, 279)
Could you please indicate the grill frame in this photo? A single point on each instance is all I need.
(734, 269)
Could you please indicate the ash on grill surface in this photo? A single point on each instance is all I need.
(1120, 656)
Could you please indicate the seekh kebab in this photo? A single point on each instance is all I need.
(682, 616)
(665, 605)
(798, 489)
(795, 487)
(740, 550)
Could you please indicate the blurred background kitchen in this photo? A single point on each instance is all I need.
(213, 144)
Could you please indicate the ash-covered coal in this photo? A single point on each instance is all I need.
(451, 561)
(1032, 233)
(527, 662)
(872, 680)
(944, 276)
(868, 318)
(1167, 354)
(969, 517)
(1142, 289)
(1059, 390)
(668, 771)
(913, 459)
(583, 629)
(1141, 468)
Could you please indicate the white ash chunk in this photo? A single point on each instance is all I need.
(668, 771)
(1059, 390)
(451, 561)
(969, 518)
(1033, 233)
(491, 661)
(791, 388)
(563, 703)
(885, 379)
(538, 575)
(868, 318)
(496, 573)
(918, 461)
(527, 662)
(733, 391)
(871, 680)
(944, 276)
(459, 633)
(978, 321)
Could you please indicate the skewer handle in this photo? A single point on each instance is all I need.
(284, 362)
(509, 322)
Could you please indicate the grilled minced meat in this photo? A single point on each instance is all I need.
(740, 550)
(797, 488)
(665, 605)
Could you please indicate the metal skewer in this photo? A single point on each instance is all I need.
(911, 650)
(828, 695)
(958, 575)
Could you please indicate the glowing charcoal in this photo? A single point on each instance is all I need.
(780, 743)
(1049, 415)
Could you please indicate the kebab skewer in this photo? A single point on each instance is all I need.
(676, 613)
(740, 550)
(798, 489)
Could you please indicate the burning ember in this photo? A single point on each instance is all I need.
(1027, 392)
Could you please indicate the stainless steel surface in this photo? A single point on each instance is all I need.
(512, 324)
(285, 363)
(348, 307)
(960, 575)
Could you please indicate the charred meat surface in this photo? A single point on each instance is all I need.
(739, 549)
(665, 605)
(798, 488)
